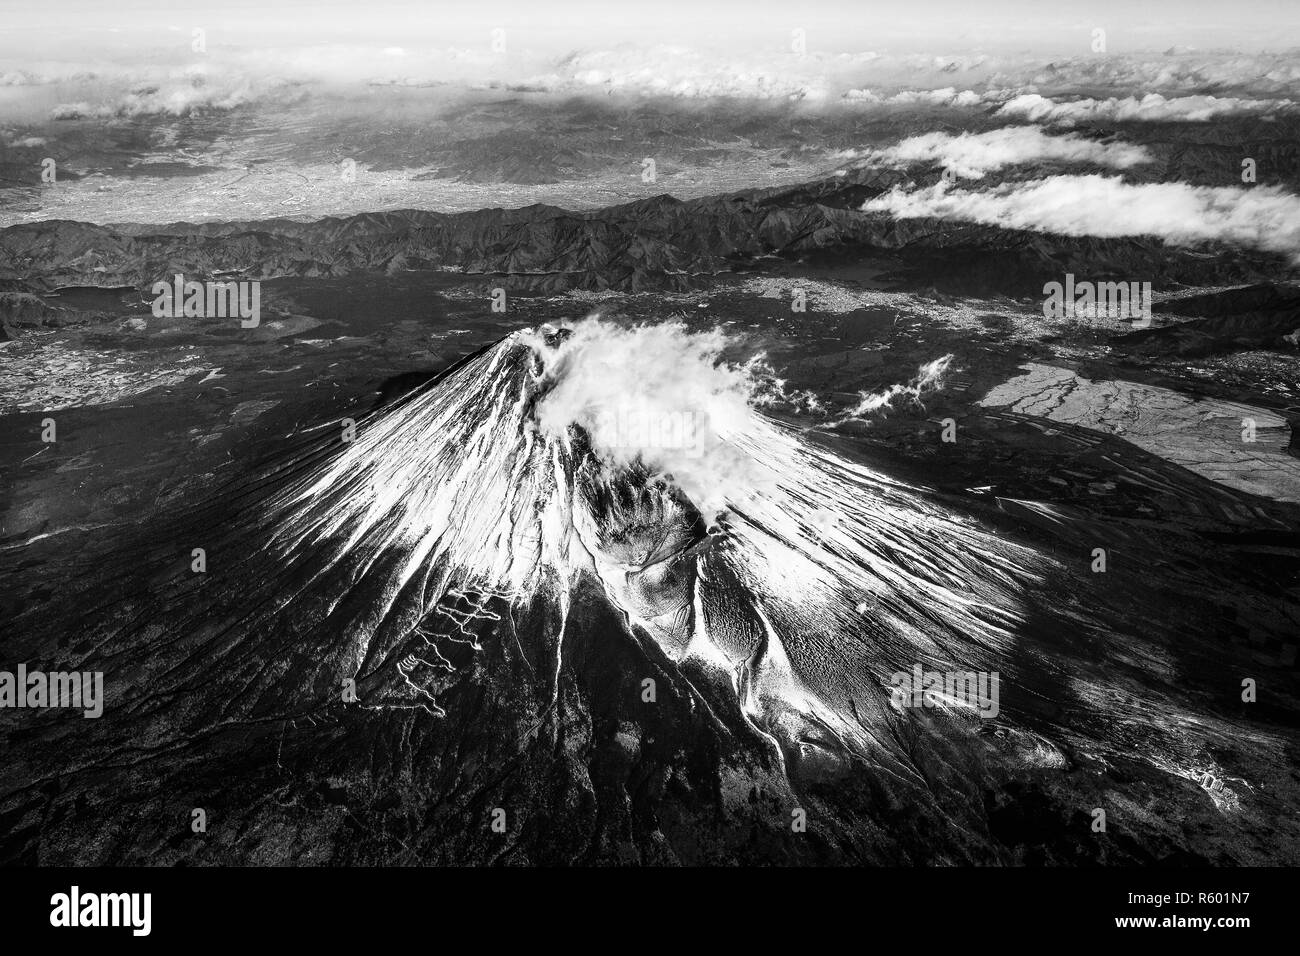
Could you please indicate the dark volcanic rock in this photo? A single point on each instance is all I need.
(1258, 316)
(31, 311)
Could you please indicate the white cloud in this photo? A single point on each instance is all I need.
(971, 155)
(947, 96)
(1261, 217)
(1151, 108)
(660, 394)
(172, 97)
(884, 79)
(929, 378)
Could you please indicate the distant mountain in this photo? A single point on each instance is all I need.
(656, 243)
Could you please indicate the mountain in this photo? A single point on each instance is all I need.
(657, 243)
(476, 604)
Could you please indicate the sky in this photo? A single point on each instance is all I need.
(109, 28)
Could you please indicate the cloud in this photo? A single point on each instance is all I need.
(19, 78)
(947, 96)
(1260, 217)
(1171, 74)
(658, 394)
(172, 97)
(872, 78)
(971, 155)
(677, 71)
(1150, 108)
(929, 378)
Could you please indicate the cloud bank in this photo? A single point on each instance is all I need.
(972, 155)
(1259, 217)
(1141, 86)
(1150, 108)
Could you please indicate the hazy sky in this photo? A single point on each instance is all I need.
(65, 29)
